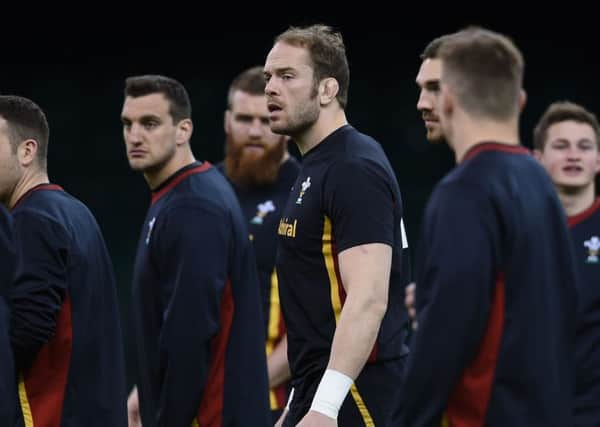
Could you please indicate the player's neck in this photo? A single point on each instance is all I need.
(29, 180)
(183, 157)
(469, 132)
(576, 201)
(329, 120)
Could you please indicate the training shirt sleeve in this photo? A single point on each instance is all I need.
(360, 202)
(41, 283)
(454, 292)
(192, 250)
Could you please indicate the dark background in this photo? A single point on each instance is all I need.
(77, 78)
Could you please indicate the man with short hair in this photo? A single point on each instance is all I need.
(65, 330)
(342, 259)
(566, 141)
(196, 305)
(262, 172)
(496, 292)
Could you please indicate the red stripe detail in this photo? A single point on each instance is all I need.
(281, 328)
(198, 169)
(494, 146)
(342, 291)
(210, 412)
(334, 255)
(468, 403)
(281, 395)
(50, 187)
(46, 379)
(576, 219)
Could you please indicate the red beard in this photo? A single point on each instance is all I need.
(246, 168)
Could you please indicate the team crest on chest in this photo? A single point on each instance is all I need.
(263, 210)
(150, 227)
(305, 186)
(593, 246)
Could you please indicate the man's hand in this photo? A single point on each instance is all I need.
(133, 409)
(316, 419)
(409, 302)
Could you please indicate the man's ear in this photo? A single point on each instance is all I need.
(522, 99)
(328, 90)
(227, 121)
(27, 152)
(184, 131)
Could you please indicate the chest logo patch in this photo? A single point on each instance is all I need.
(593, 246)
(305, 186)
(263, 210)
(287, 228)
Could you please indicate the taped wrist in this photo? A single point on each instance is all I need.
(331, 392)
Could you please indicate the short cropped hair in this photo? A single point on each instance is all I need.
(485, 70)
(559, 112)
(26, 120)
(327, 53)
(180, 107)
(251, 81)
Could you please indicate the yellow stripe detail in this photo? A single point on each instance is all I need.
(195, 423)
(274, 309)
(445, 422)
(273, 328)
(362, 408)
(336, 303)
(272, 400)
(25, 408)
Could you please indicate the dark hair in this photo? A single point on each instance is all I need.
(485, 70)
(179, 102)
(327, 53)
(251, 81)
(26, 120)
(559, 112)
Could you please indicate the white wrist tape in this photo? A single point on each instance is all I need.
(331, 393)
(287, 406)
